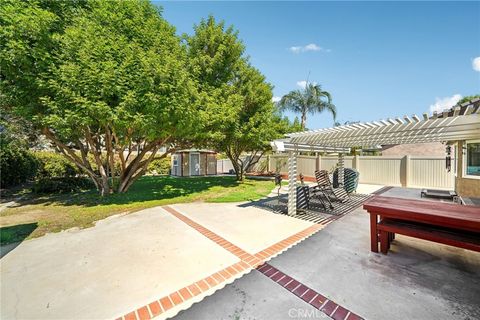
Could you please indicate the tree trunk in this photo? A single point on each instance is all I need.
(253, 160)
(237, 166)
(104, 177)
(303, 120)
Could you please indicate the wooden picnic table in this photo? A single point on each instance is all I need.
(434, 213)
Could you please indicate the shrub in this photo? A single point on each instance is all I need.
(53, 165)
(62, 184)
(17, 165)
(159, 166)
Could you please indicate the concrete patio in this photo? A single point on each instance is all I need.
(129, 261)
(160, 261)
(416, 280)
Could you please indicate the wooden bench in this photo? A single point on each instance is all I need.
(388, 227)
(441, 222)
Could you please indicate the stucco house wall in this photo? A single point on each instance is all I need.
(465, 187)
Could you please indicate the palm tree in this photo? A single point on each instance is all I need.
(311, 99)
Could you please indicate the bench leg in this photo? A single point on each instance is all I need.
(391, 236)
(384, 242)
(373, 233)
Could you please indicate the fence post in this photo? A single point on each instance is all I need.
(268, 163)
(406, 172)
(318, 162)
(356, 163)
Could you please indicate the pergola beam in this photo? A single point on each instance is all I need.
(283, 145)
(460, 123)
(389, 132)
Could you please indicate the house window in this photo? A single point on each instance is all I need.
(472, 159)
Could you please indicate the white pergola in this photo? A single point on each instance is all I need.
(459, 123)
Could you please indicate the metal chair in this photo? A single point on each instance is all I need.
(324, 184)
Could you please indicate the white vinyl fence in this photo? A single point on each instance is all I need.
(224, 166)
(408, 171)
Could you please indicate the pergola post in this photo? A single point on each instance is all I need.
(341, 166)
(292, 181)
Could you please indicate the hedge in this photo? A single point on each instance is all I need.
(17, 165)
(159, 166)
(54, 165)
(62, 184)
(52, 171)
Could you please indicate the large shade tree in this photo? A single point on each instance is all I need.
(237, 113)
(309, 100)
(97, 78)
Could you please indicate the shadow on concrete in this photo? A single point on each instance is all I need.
(12, 236)
(315, 212)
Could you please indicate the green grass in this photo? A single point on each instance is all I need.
(37, 215)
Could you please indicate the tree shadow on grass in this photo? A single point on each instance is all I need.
(146, 188)
(12, 236)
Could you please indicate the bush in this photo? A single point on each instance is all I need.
(62, 184)
(54, 165)
(17, 165)
(159, 166)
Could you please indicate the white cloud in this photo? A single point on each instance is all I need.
(308, 47)
(445, 103)
(276, 99)
(303, 83)
(476, 64)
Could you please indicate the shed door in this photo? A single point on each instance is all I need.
(194, 164)
(175, 165)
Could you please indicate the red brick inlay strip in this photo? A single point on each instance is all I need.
(315, 299)
(288, 242)
(251, 260)
(157, 307)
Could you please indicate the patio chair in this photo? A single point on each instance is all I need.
(324, 183)
(319, 192)
(350, 179)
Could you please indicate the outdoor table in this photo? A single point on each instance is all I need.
(429, 212)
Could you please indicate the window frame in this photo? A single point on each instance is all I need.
(464, 160)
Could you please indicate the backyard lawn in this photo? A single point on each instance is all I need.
(36, 215)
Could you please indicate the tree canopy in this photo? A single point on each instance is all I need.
(109, 83)
(236, 101)
(468, 98)
(312, 99)
(97, 77)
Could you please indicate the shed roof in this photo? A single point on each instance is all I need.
(196, 150)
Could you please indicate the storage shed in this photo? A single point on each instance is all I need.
(194, 162)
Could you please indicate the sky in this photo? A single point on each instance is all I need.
(377, 59)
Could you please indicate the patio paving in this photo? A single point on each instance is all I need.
(107, 270)
(246, 226)
(153, 262)
(254, 296)
(158, 262)
(416, 280)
